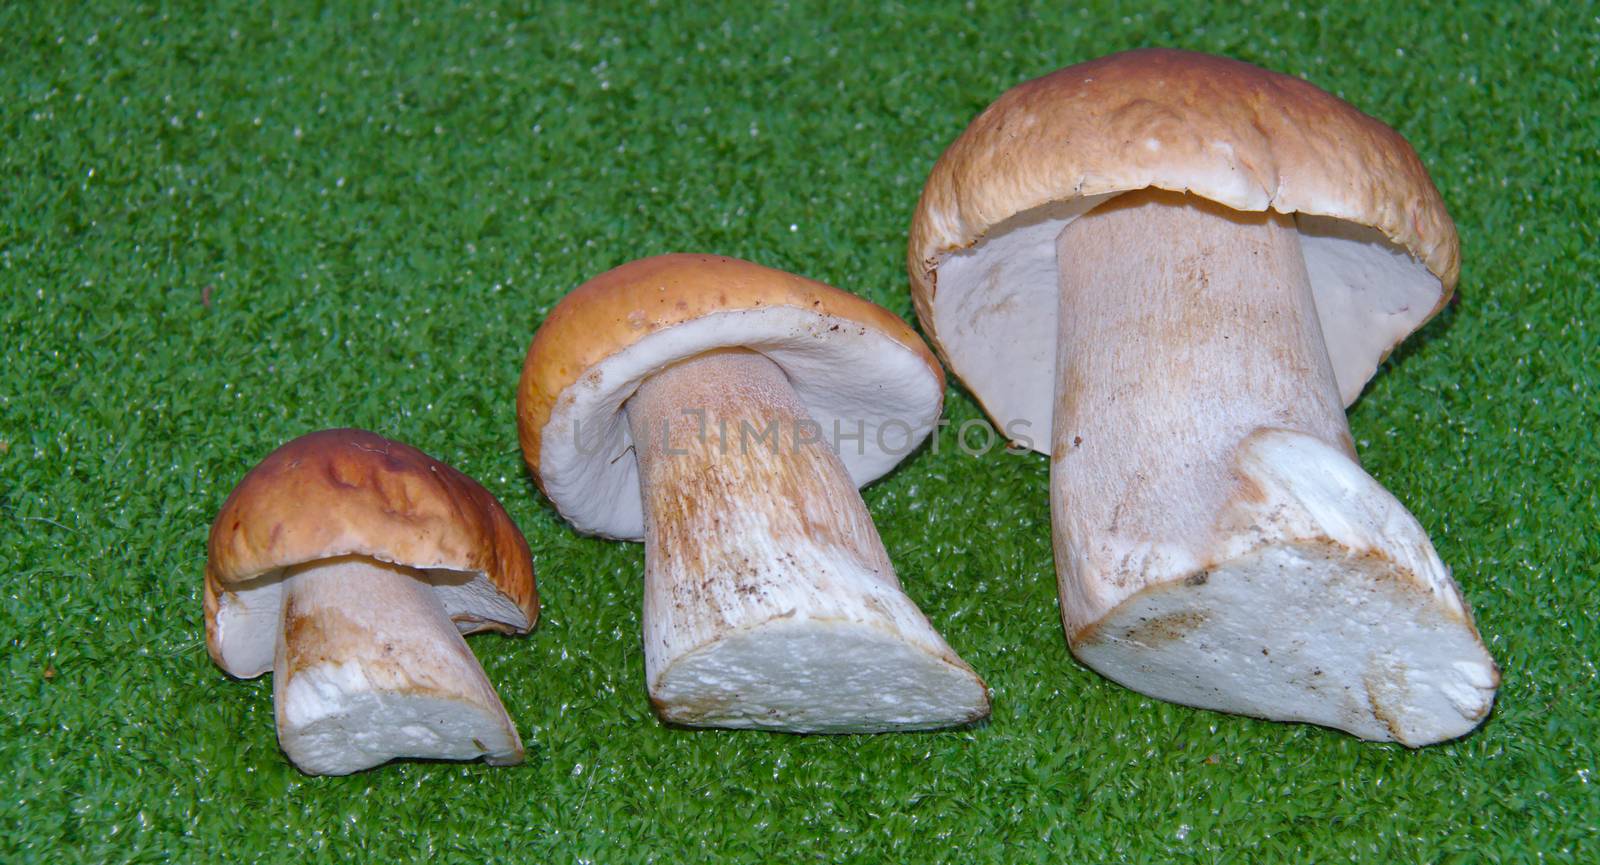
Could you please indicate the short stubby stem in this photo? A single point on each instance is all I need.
(1217, 544)
(370, 668)
(769, 599)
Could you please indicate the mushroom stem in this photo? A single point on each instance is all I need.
(769, 599)
(1217, 543)
(1185, 327)
(370, 667)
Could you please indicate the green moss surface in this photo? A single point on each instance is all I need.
(224, 225)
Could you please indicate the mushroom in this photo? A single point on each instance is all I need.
(690, 401)
(1172, 272)
(349, 566)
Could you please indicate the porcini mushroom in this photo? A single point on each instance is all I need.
(696, 403)
(1176, 270)
(349, 566)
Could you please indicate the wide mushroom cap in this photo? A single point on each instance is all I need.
(1381, 251)
(865, 377)
(346, 492)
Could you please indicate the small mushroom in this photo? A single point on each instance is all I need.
(349, 566)
(1176, 270)
(690, 401)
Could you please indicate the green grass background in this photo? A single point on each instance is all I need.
(222, 226)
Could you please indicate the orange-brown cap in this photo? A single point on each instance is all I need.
(1381, 250)
(343, 492)
(853, 363)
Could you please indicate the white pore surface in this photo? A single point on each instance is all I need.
(995, 308)
(1326, 604)
(249, 615)
(850, 377)
(333, 721)
(1370, 294)
(818, 676)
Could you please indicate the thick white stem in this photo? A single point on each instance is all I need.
(370, 668)
(1217, 543)
(769, 599)
(1185, 327)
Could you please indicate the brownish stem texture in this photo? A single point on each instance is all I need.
(742, 497)
(769, 599)
(1185, 327)
(370, 667)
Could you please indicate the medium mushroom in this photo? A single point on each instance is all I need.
(690, 401)
(349, 566)
(1174, 271)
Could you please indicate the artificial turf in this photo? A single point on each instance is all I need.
(226, 224)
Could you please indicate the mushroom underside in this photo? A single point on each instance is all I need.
(857, 384)
(248, 613)
(994, 309)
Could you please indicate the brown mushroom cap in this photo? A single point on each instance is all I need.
(849, 360)
(1381, 250)
(346, 492)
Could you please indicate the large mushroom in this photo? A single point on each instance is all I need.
(725, 413)
(349, 566)
(1172, 272)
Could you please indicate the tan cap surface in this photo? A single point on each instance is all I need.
(1217, 128)
(345, 492)
(848, 358)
